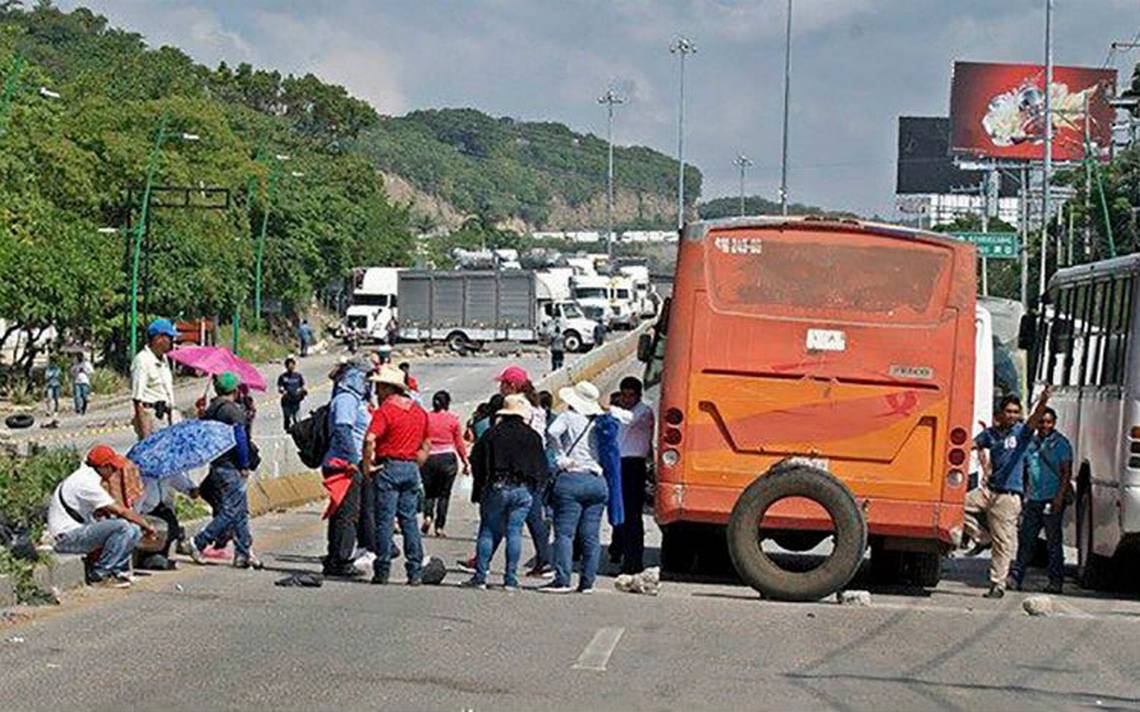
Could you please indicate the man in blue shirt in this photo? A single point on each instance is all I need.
(1050, 464)
(1002, 449)
(291, 386)
(348, 422)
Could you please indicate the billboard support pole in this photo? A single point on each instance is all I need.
(985, 228)
(1024, 230)
(1045, 216)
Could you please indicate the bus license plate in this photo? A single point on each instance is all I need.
(826, 340)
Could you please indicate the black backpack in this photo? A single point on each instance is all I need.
(312, 436)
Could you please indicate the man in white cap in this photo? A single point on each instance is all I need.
(396, 445)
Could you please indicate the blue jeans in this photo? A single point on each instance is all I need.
(397, 493)
(51, 395)
(116, 537)
(536, 524)
(1033, 520)
(501, 514)
(579, 499)
(81, 393)
(233, 520)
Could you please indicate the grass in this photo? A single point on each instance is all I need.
(189, 509)
(107, 381)
(256, 347)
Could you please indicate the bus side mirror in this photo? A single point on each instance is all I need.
(1027, 331)
(645, 348)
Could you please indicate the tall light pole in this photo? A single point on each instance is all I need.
(1048, 170)
(787, 90)
(140, 230)
(742, 162)
(611, 99)
(273, 173)
(681, 46)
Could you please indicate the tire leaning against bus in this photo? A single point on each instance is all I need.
(766, 576)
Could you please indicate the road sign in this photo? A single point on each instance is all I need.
(992, 245)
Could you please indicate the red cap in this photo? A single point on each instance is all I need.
(104, 456)
(514, 375)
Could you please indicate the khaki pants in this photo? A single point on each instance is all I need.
(1001, 511)
(144, 423)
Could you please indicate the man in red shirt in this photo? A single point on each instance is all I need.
(396, 445)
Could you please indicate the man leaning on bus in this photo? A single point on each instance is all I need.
(1002, 449)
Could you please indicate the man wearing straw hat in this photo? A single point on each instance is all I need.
(396, 445)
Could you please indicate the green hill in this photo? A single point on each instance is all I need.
(501, 168)
(757, 205)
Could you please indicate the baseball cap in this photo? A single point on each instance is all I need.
(161, 327)
(105, 456)
(514, 375)
(226, 382)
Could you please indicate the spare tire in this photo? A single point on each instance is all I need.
(19, 421)
(759, 571)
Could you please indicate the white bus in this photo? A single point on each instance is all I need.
(1080, 346)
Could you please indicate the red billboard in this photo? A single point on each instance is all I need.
(998, 110)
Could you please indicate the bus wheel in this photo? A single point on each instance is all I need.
(761, 572)
(1091, 569)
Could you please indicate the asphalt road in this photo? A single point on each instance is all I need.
(216, 638)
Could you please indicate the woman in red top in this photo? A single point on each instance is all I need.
(438, 473)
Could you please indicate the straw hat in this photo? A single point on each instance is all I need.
(390, 376)
(516, 404)
(583, 397)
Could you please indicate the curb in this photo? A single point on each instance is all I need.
(7, 592)
(63, 572)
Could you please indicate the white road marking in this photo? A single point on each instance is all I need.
(599, 650)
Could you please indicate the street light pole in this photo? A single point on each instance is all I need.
(1048, 167)
(742, 162)
(681, 46)
(140, 231)
(787, 90)
(273, 172)
(610, 99)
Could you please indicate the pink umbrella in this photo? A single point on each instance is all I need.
(212, 360)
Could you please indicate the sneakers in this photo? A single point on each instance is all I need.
(586, 591)
(474, 583)
(196, 554)
(248, 561)
(378, 580)
(994, 592)
(467, 565)
(511, 587)
(1054, 588)
(111, 581)
(553, 587)
(545, 571)
(345, 571)
(416, 581)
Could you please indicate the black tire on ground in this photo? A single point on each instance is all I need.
(766, 576)
(573, 341)
(457, 342)
(1092, 570)
(678, 549)
(924, 567)
(886, 565)
(19, 421)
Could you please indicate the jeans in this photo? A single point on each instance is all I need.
(556, 359)
(397, 492)
(579, 499)
(629, 537)
(342, 527)
(1033, 520)
(439, 475)
(501, 514)
(81, 394)
(289, 410)
(116, 537)
(234, 517)
(51, 396)
(536, 524)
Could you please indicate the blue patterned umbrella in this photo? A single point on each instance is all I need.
(181, 447)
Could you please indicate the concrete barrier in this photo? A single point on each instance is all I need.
(593, 363)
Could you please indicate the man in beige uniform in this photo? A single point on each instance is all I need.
(152, 381)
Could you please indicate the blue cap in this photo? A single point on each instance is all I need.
(161, 327)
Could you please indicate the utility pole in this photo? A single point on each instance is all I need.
(787, 89)
(681, 46)
(742, 162)
(1048, 162)
(1024, 237)
(611, 99)
(984, 188)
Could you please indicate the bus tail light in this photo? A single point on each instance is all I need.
(955, 478)
(959, 436)
(670, 458)
(1134, 433)
(956, 457)
(1134, 447)
(672, 436)
(674, 416)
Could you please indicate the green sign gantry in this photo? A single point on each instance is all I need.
(992, 245)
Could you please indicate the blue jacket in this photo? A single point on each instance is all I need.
(348, 417)
(606, 429)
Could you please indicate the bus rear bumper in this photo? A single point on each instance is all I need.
(896, 519)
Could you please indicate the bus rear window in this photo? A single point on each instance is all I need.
(799, 271)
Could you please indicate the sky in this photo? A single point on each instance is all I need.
(856, 66)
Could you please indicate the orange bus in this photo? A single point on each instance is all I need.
(816, 380)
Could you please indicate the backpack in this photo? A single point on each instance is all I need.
(312, 437)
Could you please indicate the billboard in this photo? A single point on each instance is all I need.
(924, 163)
(997, 110)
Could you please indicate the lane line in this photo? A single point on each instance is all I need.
(599, 650)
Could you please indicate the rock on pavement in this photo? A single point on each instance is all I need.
(1038, 606)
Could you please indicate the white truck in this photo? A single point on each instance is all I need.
(466, 309)
(606, 299)
(644, 297)
(373, 303)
